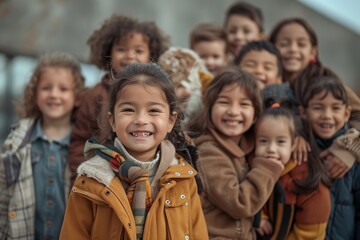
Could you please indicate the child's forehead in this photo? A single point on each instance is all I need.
(276, 122)
(247, 17)
(130, 36)
(260, 53)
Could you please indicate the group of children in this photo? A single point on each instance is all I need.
(243, 136)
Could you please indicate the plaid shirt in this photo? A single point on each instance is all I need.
(17, 198)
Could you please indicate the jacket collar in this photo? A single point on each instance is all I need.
(245, 146)
(100, 169)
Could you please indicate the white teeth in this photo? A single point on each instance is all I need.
(326, 125)
(142, 134)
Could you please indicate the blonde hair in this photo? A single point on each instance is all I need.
(27, 106)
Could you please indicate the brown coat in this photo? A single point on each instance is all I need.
(94, 104)
(232, 192)
(98, 207)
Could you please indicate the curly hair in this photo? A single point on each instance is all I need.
(27, 106)
(118, 27)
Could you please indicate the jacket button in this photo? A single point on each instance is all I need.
(190, 172)
(107, 193)
(177, 174)
(184, 164)
(187, 237)
(182, 196)
(129, 225)
(167, 202)
(12, 214)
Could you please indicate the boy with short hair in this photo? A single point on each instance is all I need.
(243, 24)
(263, 60)
(209, 42)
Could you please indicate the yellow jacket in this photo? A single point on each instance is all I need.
(98, 207)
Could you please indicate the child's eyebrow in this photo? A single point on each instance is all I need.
(148, 104)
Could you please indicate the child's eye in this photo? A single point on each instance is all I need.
(246, 103)
(247, 31)
(222, 100)
(249, 65)
(127, 110)
(262, 140)
(139, 51)
(283, 43)
(64, 89)
(155, 110)
(316, 108)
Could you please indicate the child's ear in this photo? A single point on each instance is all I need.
(302, 112)
(264, 36)
(111, 121)
(172, 121)
(347, 113)
(314, 52)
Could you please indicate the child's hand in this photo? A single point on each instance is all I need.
(265, 228)
(333, 165)
(300, 153)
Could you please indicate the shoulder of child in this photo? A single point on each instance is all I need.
(98, 169)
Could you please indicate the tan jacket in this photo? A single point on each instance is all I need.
(99, 209)
(232, 191)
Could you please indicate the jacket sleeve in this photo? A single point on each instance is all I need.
(199, 229)
(4, 200)
(356, 191)
(239, 194)
(312, 214)
(347, 147)
(78, 218)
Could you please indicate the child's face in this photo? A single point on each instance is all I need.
(131, 49)
(213, 53)
(241, 30)
(326, 114)
(141, 123)
(273, 139)
(233, 112)
(294, 45)
(263, 65)
(55, 94)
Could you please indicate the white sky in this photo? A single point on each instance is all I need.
(346, 12)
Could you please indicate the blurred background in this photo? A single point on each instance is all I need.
(29, 28)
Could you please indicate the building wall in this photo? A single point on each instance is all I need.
(33, 27)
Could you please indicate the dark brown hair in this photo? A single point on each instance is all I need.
(119, 27)
(248, 10)
(198, 124)
(207, 32)
(326, 84)
(27, 106)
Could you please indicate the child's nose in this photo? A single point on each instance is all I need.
(54, 92)
(272, 147)
(141, 118)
